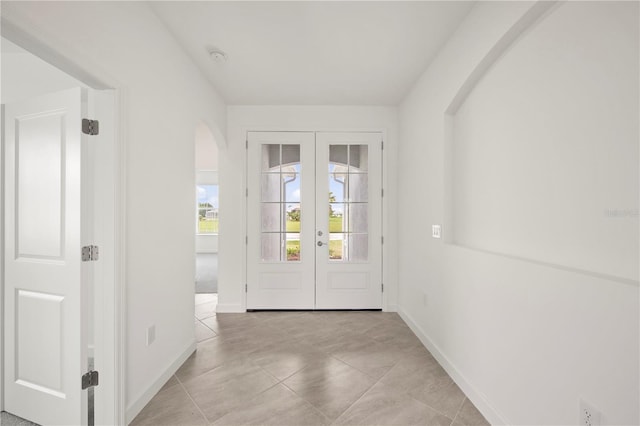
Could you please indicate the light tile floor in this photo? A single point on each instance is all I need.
(7, 419)
(307, 368)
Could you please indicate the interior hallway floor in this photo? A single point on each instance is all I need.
(307, 368)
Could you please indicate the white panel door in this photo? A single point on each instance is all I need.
(280, 202)
(45, 332)
(314, 220)
(349, 220)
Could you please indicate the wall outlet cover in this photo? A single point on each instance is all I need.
(436, 231)
(589, 415)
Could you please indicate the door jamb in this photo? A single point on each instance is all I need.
(2, 260)
(83, 69)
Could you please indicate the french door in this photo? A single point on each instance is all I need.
(314, 231)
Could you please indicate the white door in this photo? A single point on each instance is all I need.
(349, 221)
(280, 251)
(314, 220)
(44, 323)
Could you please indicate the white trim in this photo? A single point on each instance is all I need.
(230, 308)
(2, 260)
(488, 411)
(84, 69)
(140, 402)
(207, 251)
(120, 226)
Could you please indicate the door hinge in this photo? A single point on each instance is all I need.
(382, 240)
(90, 380)
(246, 288)
(246, 144)
(382, 145)
(246, 192)
(90, 253)
(90, 127)
(382, 287)
(382, 192)
(246, 239)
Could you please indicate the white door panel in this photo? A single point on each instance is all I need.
(280, 258)
(314, 222)
(44, 338)
(349, 263)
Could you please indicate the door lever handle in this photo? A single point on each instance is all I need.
(320, 244)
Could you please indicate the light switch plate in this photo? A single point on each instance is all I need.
(436, 231)
(151, 334)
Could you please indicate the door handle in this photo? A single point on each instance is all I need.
(320, 244)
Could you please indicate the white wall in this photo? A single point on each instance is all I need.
(232, 176)
(25, 75)
(530, 177)
(165, 97)
(527, 166)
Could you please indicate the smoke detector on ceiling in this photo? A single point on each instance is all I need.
(217, 54)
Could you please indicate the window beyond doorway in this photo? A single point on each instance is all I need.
(207, 199)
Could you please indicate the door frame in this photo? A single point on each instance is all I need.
(244, 130)
(110, 328)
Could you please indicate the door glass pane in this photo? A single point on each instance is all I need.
(359, 188)
(358, 218)
(337, 246)
(291, 185)
(348, 202)
(338, 154)
(336, 216)
(337, 183)
(270, 183)
(290, 155)
(280, 202)
(293, 246)
(294, 217)
(270, 158)
(271, 218)
(358, 247)
(271, 247)
(358, 158)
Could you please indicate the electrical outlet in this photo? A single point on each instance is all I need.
(589, 415)
(436, 231)
(151, 334)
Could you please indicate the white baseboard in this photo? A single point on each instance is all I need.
(488, 411)
(136, 406)
(206, 251)
(229, 308)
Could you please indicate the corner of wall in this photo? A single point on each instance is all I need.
(138, 404)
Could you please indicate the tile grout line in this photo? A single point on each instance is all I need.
(359, 398)
(192, 400)
(282, 382)
(201, 322)
(461, 405)
(424, 403)
(331, 421)
(459, 409)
